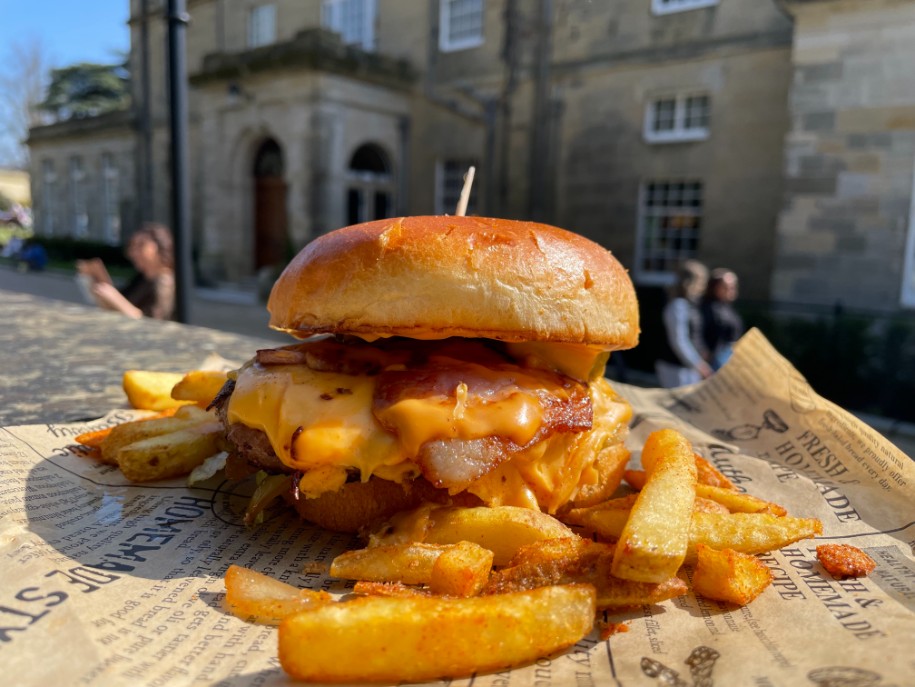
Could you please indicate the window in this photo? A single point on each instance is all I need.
(354, 20)
(671, 6)
(670, 223)
(111, 215)
(460, 24)
(79, 215)
(49, 197)
(449, 181)
(683, 117)
(369, 192)
(262, 26)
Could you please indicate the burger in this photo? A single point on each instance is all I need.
(439, 359)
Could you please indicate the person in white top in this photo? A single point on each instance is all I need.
(683, 359)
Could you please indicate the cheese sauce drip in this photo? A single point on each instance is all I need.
(327, 422)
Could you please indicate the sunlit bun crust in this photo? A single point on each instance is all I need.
(435, 277)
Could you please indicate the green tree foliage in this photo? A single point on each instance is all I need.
(86, 90)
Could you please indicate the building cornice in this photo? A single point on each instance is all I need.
(82, 125)
(312, 49)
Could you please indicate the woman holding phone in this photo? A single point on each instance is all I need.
(151, 293)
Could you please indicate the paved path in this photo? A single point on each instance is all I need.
(224, 309)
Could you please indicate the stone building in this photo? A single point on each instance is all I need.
(845, 235)
(655, 127)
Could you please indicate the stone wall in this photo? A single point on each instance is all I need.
(849, 155)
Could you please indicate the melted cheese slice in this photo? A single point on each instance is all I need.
(323, 423)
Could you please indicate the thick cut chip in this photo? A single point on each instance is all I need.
(255, 597)
(199, 386)
(729, 575)
(745, 532)
(845, 560)
(148, 390)
(706, 473)
(501, 529)
(390, 639)
(710, 475)
(737, 502)
(748, 532)
(654, 540)
(170, 455)
(137, 430)
(566, 561)
(461, 570)
(406, 563)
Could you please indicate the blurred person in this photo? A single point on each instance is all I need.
(684, 357)
(151, 292)
(721, 324)
(32, 256)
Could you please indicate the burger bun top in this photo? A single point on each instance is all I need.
(439, 276)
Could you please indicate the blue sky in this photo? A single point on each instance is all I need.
(70, 31)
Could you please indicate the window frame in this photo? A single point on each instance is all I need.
(680, 133)
(445, 42)
(331, 11)
(650, 277)
(660, 7)
(111, 215)
(49, 197)
(79, 205)
(254, 39)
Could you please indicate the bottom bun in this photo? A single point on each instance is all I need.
(360, 505)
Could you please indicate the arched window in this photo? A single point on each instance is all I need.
(369, 189)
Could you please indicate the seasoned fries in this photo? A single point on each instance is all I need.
(461, 570)
(729, 575)
(448, 591)
(257, 598)
(501, 529)
(137, 430)
(162, 447)
(406, 563)
(199, 386)
(170, 455)
(709, 475)
(748, 532)
(395, 639)
(845, 560)
(148, 390)
(564, 561)
(653, 543)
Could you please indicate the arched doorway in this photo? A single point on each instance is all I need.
(270, 236)
(369, 192)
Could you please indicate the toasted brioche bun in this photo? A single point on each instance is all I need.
(436, 277)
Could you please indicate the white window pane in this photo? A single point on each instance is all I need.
(670, 222)
(262, 26)
(461, 24)
(664, 111)
(354, 20)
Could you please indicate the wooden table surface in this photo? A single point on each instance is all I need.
(62, 362)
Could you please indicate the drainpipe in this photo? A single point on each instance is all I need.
(540, 130)
(177, 87)
(146, 160)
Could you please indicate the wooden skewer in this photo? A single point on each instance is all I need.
(465, 192)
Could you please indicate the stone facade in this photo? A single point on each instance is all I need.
(553, 104)
(845, 234)
(82, 177)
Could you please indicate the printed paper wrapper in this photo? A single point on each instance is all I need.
(109, 583)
